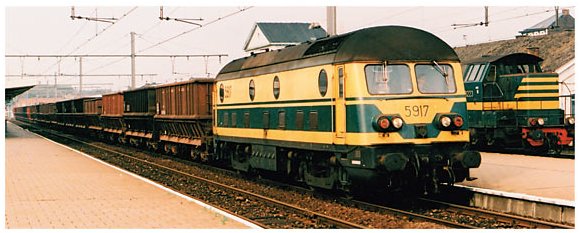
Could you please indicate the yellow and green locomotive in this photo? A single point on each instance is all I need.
(381, 108)
(512, 103)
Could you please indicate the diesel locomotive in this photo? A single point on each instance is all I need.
(512, 103)
(378, 109)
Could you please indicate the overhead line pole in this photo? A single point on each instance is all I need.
(132, 56)
(132, 60)
(80, 76)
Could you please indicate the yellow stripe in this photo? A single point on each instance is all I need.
(527, 88)
(367, 139)
(273, 134)
(354, 139)
(521, 105)
(533, 80)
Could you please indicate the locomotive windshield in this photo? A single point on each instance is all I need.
(396, 79)
(435, 79)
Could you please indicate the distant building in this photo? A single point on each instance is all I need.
(565, 22)
(272, 36)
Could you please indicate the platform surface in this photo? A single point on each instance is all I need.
(526, 174)
(50, 186)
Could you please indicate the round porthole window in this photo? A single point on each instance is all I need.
(222, 92)
(322, 82)
(252, 90)
(276, 87)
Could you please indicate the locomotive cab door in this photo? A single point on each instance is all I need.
(339, 105)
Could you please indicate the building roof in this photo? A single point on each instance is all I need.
(282, 34)
(565, 22)
(556, 48)
(15, 91)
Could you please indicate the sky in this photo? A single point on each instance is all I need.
(36, 29)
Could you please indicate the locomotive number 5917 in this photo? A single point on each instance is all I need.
(416, 110)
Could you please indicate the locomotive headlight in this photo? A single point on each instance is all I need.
(397, 122)
(445, 121)
(532, 121)
(382, 123)
(458, 121)
(541, 121)
(570, 121)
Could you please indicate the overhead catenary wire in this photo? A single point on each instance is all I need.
(193, 29)
(499, 20)
(173, 37)
(93, 37)
(75, 34)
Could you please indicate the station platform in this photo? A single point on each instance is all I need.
(542, 177)
(52, 186)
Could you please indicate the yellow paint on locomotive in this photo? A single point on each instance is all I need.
(520, 105)
(302, 84)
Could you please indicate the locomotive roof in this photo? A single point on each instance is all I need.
(508, 59)
(384, 43)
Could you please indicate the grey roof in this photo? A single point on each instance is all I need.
(564, 22)
(290, 32)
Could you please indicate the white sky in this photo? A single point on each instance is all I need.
(34, 28)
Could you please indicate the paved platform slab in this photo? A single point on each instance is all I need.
(531, 175)
(50, 186)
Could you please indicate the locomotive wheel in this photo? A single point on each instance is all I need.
(552, 143)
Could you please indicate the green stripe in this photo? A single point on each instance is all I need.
(536, 91)
(256, 118)
(406, 97)
(537, 83)
(538, 99)
(328, 100)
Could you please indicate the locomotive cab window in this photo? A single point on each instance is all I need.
(388, 79)
(475, 72)
(435, 78)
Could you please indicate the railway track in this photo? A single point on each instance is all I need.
(258, 209)
(567, 153)
(280, 214)
(506, 219)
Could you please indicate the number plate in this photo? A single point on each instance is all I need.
(416, 110)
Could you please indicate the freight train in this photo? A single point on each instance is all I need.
(378, 109)
(512, 103)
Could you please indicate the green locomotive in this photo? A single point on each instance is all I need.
(512, 103)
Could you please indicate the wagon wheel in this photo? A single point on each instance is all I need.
(194, 154)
